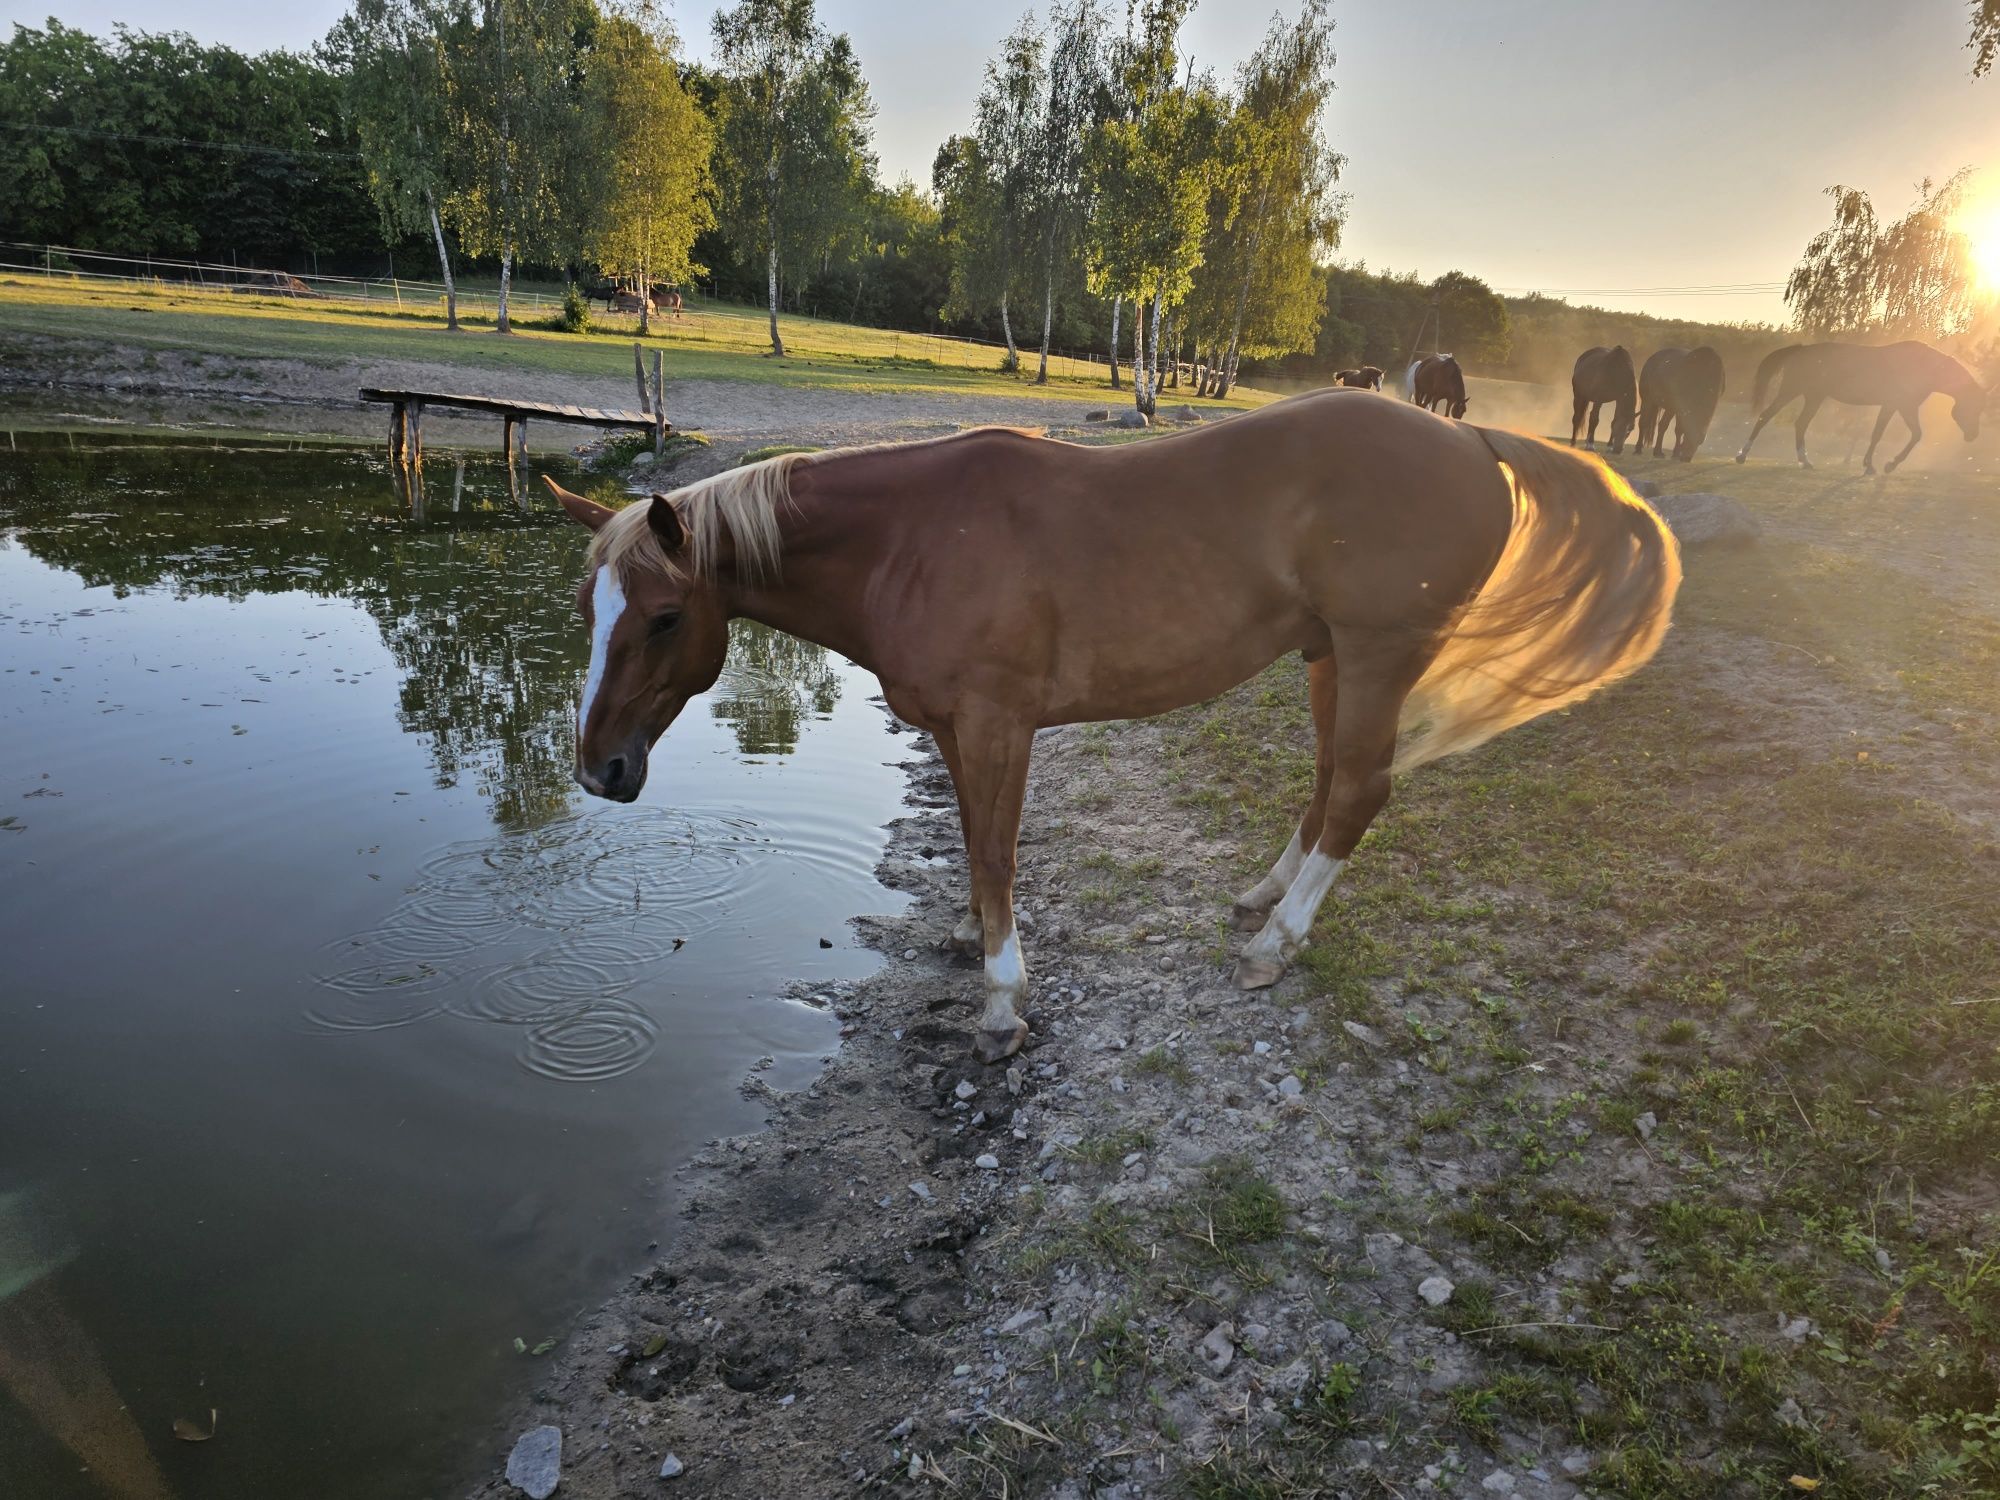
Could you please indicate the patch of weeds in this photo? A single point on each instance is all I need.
(1109, 1150)
(1158, 1062)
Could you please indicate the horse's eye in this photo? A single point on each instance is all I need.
(664, 624)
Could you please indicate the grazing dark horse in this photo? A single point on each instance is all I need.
(1681, 387)
(1437, 378)
(1603, 375)
(1444, 583)
(1367, 378)
(1896, 377)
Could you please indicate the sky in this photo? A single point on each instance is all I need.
(1606, 152)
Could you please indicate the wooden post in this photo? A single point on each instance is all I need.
(416, 440)
(659, 406)
(399, 432)
(639, 373)
(507, 439)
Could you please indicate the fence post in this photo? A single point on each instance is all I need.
(659, 406)
(639, 374)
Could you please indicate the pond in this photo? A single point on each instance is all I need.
(344, 1042)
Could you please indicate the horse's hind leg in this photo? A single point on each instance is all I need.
(968, 937)
(1576, 420)
(1255, 904)
(1909, 415)
(993, 755)
(1590, 436)
(1763, 417)
(1376, 675)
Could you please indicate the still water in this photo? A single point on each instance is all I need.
(342, 1041)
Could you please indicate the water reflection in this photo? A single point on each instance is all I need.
(476, 603)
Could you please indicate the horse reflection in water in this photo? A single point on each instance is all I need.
(1444, 582)
(49, 1365)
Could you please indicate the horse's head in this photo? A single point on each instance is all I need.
(1623, 420)
(1458, 407)
(1966, 411)
(659, 634)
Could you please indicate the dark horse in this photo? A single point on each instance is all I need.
(1681, 387)
(1437, 378)
(1603, 375)
(1367, 378)
(1895, 377)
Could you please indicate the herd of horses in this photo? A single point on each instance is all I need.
(1677, 391)
(630, 297)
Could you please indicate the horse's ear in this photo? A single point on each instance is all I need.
(665, 520)
(585, 512)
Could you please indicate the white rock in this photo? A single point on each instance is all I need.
(1260, 1048)
(1499, 1482)
(1219, 1348)
(966, 1088)
(535, 1466)
(922, 1190)
(1436, 1290)
(1646, 1124)
(1366, 1035)
(1027, 1317)
(671, 1467)
(1290, 1086)
(987, 1161)
(909, 953)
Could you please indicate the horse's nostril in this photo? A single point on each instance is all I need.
(614, 770)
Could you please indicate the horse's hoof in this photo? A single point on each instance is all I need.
(1868, 468)
(1741, 457)
(1257, 973)
(966, 947)
(1247, 918)
(1805, 463)
(997, 1046)
(1890, 467)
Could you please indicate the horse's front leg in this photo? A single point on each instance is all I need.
(1881, 426)
(993, 755)
(1590, 433)
(1806, 414)
(1916, 435)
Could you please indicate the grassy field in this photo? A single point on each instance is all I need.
(712, 341)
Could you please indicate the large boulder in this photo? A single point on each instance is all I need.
(1701, 520)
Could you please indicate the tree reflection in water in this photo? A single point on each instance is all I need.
(475, 600)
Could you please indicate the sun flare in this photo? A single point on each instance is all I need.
(1981, 227)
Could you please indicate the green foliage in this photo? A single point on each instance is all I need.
(574, 317)
(1911, 278)
(154, 144)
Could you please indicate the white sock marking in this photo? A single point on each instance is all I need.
(1293, 917)
(1268, 891)
(607, 603)
(1006, 983)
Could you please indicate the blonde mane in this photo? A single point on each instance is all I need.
(746, 501)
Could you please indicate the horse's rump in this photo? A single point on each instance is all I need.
(1582, 595)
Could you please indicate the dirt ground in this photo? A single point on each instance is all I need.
(53, 379)
(1616, 1137)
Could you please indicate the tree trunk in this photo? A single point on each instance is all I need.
(1117, 307)
(1153, 355)
(1174, 333)
(444, 265)
(771, 282)
(506, 280)
(1048, 309)
(1138, 355)
(1007, 327)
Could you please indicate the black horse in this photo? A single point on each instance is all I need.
(1437, 378)
(1681, 387)
(1603, 375)
(1367, 378)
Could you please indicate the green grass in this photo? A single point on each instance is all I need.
(713, 341)
(1782, 947)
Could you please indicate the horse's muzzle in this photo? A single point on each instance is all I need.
(618, 778)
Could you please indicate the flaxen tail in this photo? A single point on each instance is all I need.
(1582, 595)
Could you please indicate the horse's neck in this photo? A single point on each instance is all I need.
(1952, 377)
(830, 541)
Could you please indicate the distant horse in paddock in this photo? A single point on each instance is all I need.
(1444, 583)
(1681, 388)
(1896, 377)
(1437, 378)
(1367, 378)
(1603, 375)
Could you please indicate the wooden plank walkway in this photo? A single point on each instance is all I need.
(406, 414)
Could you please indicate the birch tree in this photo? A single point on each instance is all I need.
(655, 143)
(794, 144)
(1077, 89)
(392, 55)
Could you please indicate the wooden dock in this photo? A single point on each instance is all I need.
(406, 414)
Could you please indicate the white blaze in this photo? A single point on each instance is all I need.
(607, 603)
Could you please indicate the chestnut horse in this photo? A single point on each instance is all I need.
(1444, 583)
(1367, 378)
(1896, 377)
(1603, 375)
(1681, 388)
(1434, 379)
